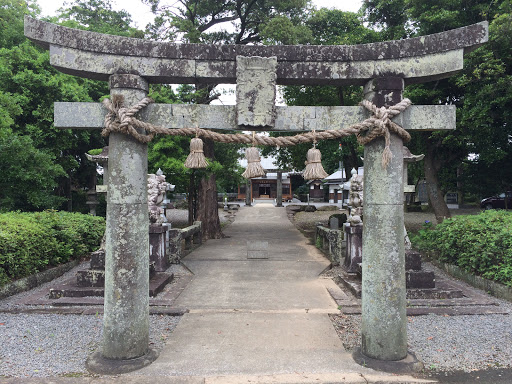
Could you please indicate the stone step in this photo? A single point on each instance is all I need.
(435, 293)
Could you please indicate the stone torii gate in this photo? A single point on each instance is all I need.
(130, 64)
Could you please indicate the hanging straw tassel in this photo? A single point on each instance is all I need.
(314, 169)
(196, 157)
(254, 168)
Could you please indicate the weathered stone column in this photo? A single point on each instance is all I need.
(279, 197)
(126, 318)
(384, 322)
(248, 193)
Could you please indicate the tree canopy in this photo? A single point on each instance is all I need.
(472, 159)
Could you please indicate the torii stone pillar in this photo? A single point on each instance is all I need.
(384, 321)
(126, 313)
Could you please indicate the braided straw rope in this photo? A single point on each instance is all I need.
(120, 119)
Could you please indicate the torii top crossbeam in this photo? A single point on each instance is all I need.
(415, 60)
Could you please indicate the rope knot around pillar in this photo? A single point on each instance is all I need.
(122, 120)
(382, 125)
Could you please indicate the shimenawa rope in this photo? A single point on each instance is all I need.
(120, 119)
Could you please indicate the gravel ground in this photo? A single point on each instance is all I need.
(447, 343)
(44, 345)
(53, 345)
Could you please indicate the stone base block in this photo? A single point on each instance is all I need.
(96, 363)
(420, 279)
(412, 260)
(90, 278)
(410, 364)
(98, 259)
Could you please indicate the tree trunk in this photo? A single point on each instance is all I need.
(207, 209)
(70, 194)
(460, 185)
(435, 195)
(191, 198)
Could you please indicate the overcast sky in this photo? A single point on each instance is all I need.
(141, 14)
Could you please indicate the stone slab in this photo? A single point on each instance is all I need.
(257, 249)
(448, 311)
(223, 117)
(420, 279)
(256, 90)
(412, 260)
(257, 254)
(291, 378)
(98, 260)
(90, 278)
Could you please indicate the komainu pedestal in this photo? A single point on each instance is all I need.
(158, 247)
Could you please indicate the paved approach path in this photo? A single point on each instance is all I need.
(258, 320)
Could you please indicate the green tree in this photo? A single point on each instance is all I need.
(29, 87)
(390, 17)
(29, 175)
(97, 16)
(29, 171)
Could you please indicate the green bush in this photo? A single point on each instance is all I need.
(32, 242)
(480, 244)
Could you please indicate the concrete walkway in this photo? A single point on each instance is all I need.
(258, 312)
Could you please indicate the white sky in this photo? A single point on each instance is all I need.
(141, 13)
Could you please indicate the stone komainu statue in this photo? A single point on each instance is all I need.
(356, 201)
(156, 195)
